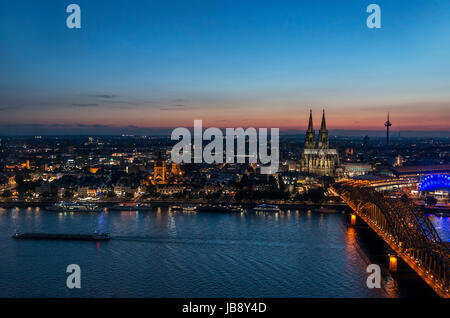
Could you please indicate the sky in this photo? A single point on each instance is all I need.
(234, 63)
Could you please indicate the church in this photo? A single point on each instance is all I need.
(317, 157)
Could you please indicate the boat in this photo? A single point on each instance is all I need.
(183, 208)
(267, 208)
(74, 207)
(325, 210)
(131, 206)
(219, 208)
(62, 236)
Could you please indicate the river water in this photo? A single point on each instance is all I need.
(173, 254)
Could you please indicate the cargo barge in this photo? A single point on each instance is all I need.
(219, 208)
(56, 236)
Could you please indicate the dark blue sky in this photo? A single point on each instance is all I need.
(230, 63)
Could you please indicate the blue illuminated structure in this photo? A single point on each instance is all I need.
(434, 182)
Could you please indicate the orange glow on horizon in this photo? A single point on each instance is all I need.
(285, 118)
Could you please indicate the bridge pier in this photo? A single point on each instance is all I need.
(393, 262)
(353, 219)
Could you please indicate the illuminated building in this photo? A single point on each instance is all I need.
(159, 171)
(319, 160)
(176, 170)
(12, 180)
(351, 169)
(93, 169)
(417, 171)
(87, 192)
(169, 189)
(435, 182)
(398, 161)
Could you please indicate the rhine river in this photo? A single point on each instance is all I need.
(174, 254)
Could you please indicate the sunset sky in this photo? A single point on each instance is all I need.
(247, 63)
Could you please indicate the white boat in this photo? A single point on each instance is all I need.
(183, 207)
(74, 207)
(267, 208)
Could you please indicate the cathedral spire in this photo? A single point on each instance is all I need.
(310, 124)
(323, 127)
(310, 138)
(323, 134)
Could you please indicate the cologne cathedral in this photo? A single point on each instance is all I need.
(317, 158)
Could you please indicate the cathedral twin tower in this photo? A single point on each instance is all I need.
(318, 160)
(310, 140)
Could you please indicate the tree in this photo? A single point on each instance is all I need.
(49, 195)
(430, 201)
(243, 183)
(316, 194)
(327, 181)
(128, 195)
(111, 195)
(68, 194)
(7, 194)
(151, 190)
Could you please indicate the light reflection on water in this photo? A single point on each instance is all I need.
(174, 254)
(442, 226)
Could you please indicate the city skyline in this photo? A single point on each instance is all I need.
(150, 66)
(224, 156)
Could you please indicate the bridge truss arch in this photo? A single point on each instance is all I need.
(406, 229)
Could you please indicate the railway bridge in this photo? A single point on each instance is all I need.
(405, 228)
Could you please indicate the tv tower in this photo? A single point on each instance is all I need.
(387, 124)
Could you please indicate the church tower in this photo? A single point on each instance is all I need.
(310, 139)
(159, 170)
(323, 134)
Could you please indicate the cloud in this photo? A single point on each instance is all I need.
(104, 96)
(5, 109)
(79, 125)
(112, 99)
(85, 105)
(177, 107)
(79, 129)
(102, 129)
